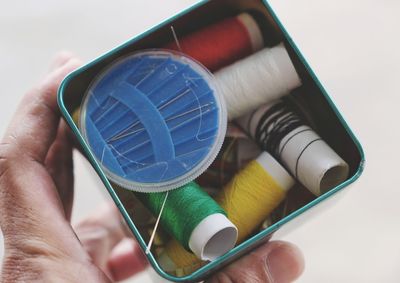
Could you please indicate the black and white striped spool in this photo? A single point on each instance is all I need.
(280, 131)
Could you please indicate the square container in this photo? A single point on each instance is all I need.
(329, 122)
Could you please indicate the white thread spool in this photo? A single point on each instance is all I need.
(310, 159)
(257, 79)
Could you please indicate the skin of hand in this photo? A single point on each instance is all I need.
(36, 195)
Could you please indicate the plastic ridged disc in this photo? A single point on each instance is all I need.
(153, 120)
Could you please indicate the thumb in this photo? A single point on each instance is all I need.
(274, 262)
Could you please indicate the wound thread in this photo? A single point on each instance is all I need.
(252, 188)
(222, 43)
(259, 78)
(276, 123)
(184, 209)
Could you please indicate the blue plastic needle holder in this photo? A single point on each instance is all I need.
(154, 120)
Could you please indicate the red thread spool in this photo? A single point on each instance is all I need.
(222, 43)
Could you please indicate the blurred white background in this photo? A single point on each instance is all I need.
(353, 47)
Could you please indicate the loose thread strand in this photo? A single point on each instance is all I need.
(148, 248)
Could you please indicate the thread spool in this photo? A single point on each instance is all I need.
(260, 78)
(222, 43)
(279, 130)
(194, 219)
(248, 199)
(153, 120)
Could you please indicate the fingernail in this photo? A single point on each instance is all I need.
(285, 263)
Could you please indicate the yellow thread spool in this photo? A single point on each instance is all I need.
(248, 199)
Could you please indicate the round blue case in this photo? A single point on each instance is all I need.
(154, 120)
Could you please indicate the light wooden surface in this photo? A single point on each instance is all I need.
(353, 46)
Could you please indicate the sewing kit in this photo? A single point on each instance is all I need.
(210, 131)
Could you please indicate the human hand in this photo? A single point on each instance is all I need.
(36, 193)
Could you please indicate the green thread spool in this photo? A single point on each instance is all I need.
(194, 219)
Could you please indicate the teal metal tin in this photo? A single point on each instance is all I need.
(330, 123)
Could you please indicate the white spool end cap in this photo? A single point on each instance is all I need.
(254, 32)
(321, 168)
(214, 236)
(315, 164)
(276, 170)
